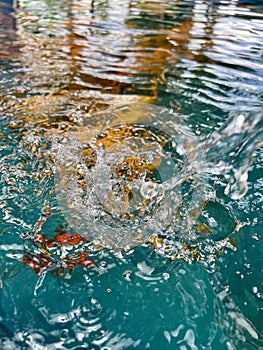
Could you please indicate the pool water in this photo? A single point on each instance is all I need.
(131, 174)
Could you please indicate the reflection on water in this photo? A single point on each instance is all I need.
(85, 150)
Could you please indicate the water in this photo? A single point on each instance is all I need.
(131, 187)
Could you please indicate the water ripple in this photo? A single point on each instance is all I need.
(60, 63)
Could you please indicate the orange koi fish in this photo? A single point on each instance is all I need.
(45, 261)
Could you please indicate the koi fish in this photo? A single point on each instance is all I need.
(46, 261)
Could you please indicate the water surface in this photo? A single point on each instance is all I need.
(165, 264)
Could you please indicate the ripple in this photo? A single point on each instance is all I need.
(115, 50)
(62, 63)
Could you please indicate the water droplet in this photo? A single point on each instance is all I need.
(127, 275)
(64, 333)
(103, 264)
(255, 236)
(166, 276)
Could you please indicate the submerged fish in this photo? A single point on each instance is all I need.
(53, 254)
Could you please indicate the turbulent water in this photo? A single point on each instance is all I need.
(130, 181)
(131, 186)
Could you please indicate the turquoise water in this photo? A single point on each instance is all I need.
(66, 66)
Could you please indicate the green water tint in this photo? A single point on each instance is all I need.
(195, 283)
(136, 269)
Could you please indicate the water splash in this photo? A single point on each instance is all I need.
(137, 171)
(110, 179)
(228, 151)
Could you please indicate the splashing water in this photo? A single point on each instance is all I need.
(131, 181)
(229, 151)
(114, 180)
(137, 171)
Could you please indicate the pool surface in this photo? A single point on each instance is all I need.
(131, 174)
